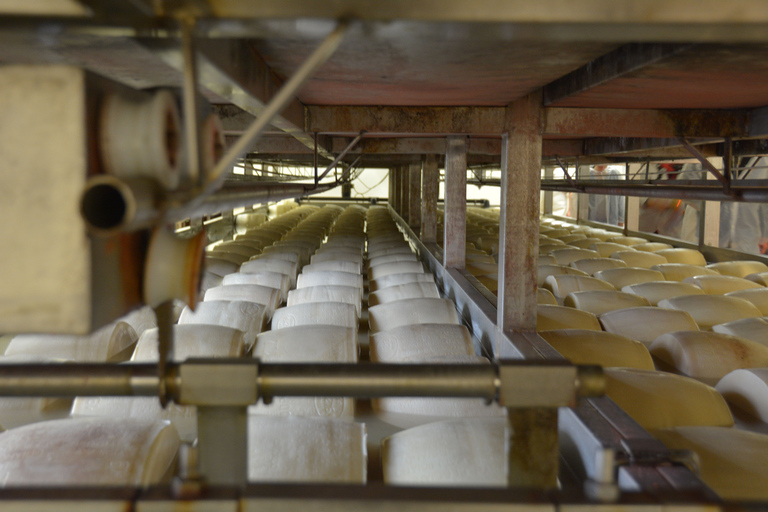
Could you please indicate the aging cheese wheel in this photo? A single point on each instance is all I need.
(710, 310)
(88, 451)
(621, 277)
(289, 268)
(757, 296)
(592, 265)
(330, 278)
(720, 285)
(296, 449)
(598, 302)
(708, 356)
(562, 285)
(264, 295)
(684, 256)
(248, 317)
(316, 313)
(403, 291)
(739, 268)
(399, 267)
(727, 457)
(639, 259)
(556, 270)
(646, 324)
(628, 240)
(566, 256)
(191, 340)
(747, 389)
(582, 346)
(412, 311)
(347, 294)
(680, 271)
(550, 318)
(270, 279)
(544, 297)
(606, 249)
(112, 343)
(420, 342)
(391, 258)
(398, 279)
(755, 329)
(469, 452)
(656, 291)
(663, 400)
(333, 265)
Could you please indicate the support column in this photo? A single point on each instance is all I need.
(549, 173)
(414, 196)
(430, 188)
(519, 217)
(391, 187)
(709, 224)
(455, 234)
(632, 214)
(396, 189)
(405, 198)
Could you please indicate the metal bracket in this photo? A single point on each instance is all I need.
(565, 170)
(708, 165)
(343, 153)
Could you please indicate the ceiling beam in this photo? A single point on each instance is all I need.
(488, 121)
(625, 59)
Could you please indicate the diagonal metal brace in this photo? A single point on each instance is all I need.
(565, 170)
(706, 163)
(343, 153)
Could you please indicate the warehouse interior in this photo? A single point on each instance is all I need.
(488, 255)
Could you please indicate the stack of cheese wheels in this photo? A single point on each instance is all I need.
(116, 452)
(685, 299)
(314, 439)
(112, 343)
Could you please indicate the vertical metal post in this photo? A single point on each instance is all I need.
(430, 188)
(632, 214)
(519, 218)
(391, 186)
(414, 196)
(395, 177)
(405, 198)
(455, 222)
(549, 173)
(709, 225)
(222, 434)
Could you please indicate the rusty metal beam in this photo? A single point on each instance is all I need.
(381, 121)
(625, 59)
(633, 145)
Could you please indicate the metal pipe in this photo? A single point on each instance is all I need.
(692, 192)
(78, 379)
(190, 102)
(378, 380)
(283, 97)
(110, 204)
(343, 153)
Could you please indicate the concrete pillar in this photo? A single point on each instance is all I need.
(430, 188)
(414, 196)
(405, 198)
(455, 234)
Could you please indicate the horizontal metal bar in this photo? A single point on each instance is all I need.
(747, 194)
(378, 380)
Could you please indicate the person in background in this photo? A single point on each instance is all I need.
(602, 208)
(744, 226)
(659, 215)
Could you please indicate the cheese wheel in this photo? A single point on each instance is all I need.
(316, 313)
(605, 249)
(550, 318)
(582, 346)
(183, 417)
(646, 324)
(545, 297)
(747, 390)
(321, 257)
(88, 451)
(547, 259)
(385, 251)
(684, 256)
(288, 268)
(739, 268)
(727, 459)
(708, 356)
(410, 312)
(308, 344)
(276, 280)
(334, 265)
(399, 267)
(295, 449)
(112, 343)
(398, 279)
(628, 240)
(584, 243)
(347, 294)
(760, 278)
(219, 266)
(651, 246)
(191, 340)
(598, 302)
(548, 248)
(572, 237)
(391, 258)
(656, 291)
(223, 254)
(420, 342)
(545, 271)
(720, 285)
(264, 295)
(663, 400)
(562, 285)
(469, 452)
(755, 329)
(592, 265)
(710, 310)
(566, 256)
(681, 271)
(330, 278)
(141, 319)
(757, 296)
(242, 249)
(621, 277)
(209, 280)
(248, 317)
(403, 291)
(639, 259)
